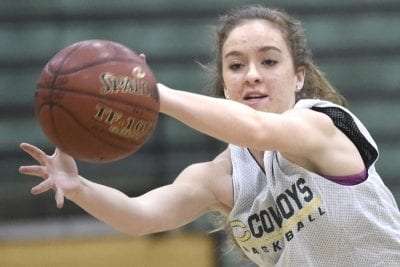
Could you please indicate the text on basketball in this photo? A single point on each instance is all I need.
(114, 83)
(121, 125)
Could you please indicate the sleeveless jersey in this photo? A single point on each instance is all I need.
(286, 215)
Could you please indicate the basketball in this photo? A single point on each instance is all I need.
(97, 100)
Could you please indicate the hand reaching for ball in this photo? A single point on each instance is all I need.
(59, 172)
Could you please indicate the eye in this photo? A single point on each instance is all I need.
(235, 66)
(269, 62)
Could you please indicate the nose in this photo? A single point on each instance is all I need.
(253, 75)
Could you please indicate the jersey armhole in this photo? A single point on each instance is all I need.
(348, 126)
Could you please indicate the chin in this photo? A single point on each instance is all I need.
(262, 105)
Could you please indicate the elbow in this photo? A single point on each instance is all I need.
(133, 229)
(135, 233)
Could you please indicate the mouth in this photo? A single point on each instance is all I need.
(254, 98)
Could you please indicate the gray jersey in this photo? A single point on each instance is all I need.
(286, 215)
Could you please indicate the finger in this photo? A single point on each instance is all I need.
(35, 152)
(59, 198)
(34, 170)
(42, 187)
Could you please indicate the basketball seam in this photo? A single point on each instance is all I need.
(94, 64)
(57, 72)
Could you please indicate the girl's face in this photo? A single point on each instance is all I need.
(257, 67)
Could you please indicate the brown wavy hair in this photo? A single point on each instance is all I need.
(315, 84)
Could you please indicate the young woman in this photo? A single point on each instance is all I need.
(297, 182)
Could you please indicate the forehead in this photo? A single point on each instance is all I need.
(254, 34)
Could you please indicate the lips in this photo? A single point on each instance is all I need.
(253, 98)
(250, 97)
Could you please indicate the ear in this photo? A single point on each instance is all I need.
(300, 77)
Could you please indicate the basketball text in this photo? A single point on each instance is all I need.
(114, 84)
(123, 126)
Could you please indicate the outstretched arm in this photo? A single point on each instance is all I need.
(307, 138)
(164, 208)
(211, 116)
(231, 121)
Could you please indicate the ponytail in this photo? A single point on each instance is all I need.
(317, 86)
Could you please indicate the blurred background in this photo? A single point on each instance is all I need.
(355, 42)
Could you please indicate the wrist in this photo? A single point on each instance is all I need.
(76, 191)
(163, 92)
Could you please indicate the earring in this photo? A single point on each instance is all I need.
(226, 93)
(298, 88)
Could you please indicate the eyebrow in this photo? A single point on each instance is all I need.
(262, 49)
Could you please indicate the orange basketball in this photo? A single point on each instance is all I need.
(97, 100)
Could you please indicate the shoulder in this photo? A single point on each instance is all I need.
(310, 120)
(307, 126)
(310, 133)
(325, 146)
(308, 115)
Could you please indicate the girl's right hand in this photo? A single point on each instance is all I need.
(59, 172)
